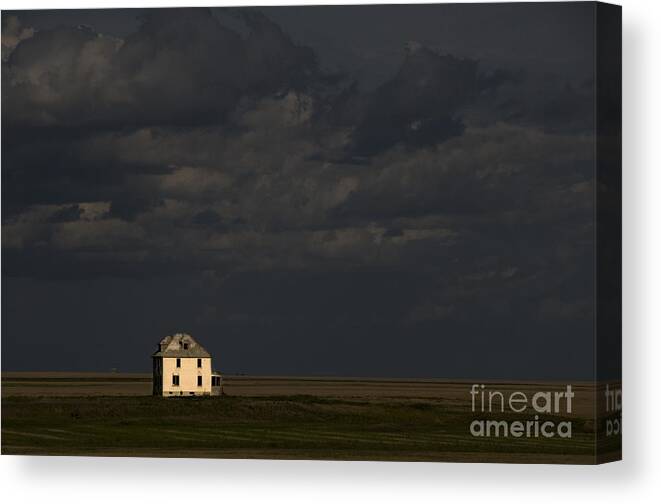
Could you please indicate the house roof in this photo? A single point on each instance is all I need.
(180, 345)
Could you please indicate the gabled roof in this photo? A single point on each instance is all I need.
(180, 345)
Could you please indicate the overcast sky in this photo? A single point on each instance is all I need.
(398, 191)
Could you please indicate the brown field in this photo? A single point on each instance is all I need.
(113, 414)
(63, 384)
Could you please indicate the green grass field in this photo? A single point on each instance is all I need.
(271, 426)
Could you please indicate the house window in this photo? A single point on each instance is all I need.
(175, 380)
(178, 362)
(199, 381)
(199, 363)
(185, 346)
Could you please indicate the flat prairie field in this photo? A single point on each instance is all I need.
(113, 414)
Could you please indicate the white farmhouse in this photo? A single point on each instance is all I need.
(182, 367)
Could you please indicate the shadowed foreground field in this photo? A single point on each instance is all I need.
(274, 418)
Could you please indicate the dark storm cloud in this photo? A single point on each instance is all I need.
(208, 157)
(64, 86)
(255, 190)
(486, 170)
(128, 206)
(418, 106)
(536, 99)
(66, 214)
(180, 68)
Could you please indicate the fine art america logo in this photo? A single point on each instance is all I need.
(613, 410)
(485, 401)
